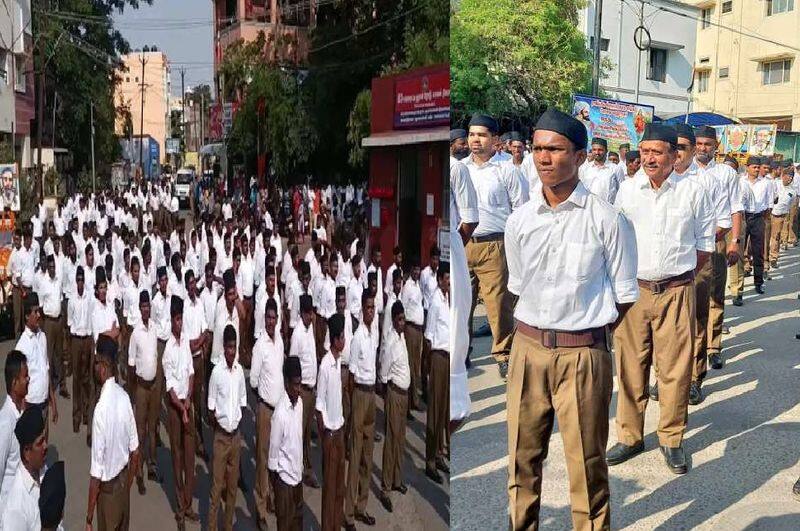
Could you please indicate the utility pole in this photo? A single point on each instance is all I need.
(39, 127)
(91, 114)
(183, 107)
(598, 24)
(202, 124)
(639, 56)
(55, 99)
(141, 119)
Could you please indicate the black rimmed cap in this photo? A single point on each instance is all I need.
(597, 141)
(685, 131)
(705, 131)
(754, 160)
(455, 134)
(660, 132)
(515, 136)
(29, 427)
(563, 124)
(630, 156)
(484, 120)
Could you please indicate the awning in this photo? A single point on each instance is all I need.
(666, 46)
(777, 56)
(402, 138)
(213, 149)
(697, 119)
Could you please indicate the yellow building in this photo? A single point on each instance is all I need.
(128, 93)
(738, 71)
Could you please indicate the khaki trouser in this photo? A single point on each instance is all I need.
(362, 442)
(788, 234)
(308, 396)
(288, 505)
(716, 303)
(147, 408)
(114, 503)
(487, 262)
(736, 271)
(124, 343)
(82, 351)
(199, 396)
(263, 430)
(181, 445)
(702, 297)
(319, 336)
(54, 334)
(572, 385)
(396, 405)
(161, 383)
(658, 328)
(438, 406)
(767, 238)
(333, 465)
(225, 476)
(347, 400)
(775, 241)
(413, 335)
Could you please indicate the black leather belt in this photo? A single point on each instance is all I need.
(364, 387)
(494, 237)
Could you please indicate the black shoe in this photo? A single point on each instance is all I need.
(385, 501)
(748, 274)
(401, 488)
(433, 475)
(737, 300)
(619, 453)
(773, 265)
(653, 392)
(140, 486)
(311, 481)
(725, 330)
(377, 437)
(796, 489)
(365, 518)
(715, 360)
(502, 366)
(797, 336)
(675, 459)
(349, 527)
(760, 289)
(153, 473)
(441, 465)
(695, 394)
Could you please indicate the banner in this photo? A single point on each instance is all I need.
(747, 139)
(173, 145)
(9, 194)
(619, 122)
(762, 140)
(422, 101)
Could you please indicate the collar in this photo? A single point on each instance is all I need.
(27, 480)
(644, 181)
(577, 197)
(491, 162)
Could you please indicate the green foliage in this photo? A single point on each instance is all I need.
(516, 56)
(358, 128)
(6, 152)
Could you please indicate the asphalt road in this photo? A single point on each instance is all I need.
(742, 441)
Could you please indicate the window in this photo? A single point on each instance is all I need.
(19, 73)
(776, 72)
(727, 7)
(127, 79)
(705, 17)
(779, 6)
(657, 67)
(702, 81)
(137, 79)
(723, 72)
(3, 67)
(704, 60)
(603, 44)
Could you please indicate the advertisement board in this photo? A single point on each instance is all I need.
(747, 139)
(422, 101)
(173, 145)
(619, 122)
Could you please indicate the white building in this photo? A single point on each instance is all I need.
(666, 68)
(16, 81)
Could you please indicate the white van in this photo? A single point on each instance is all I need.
(183, 185)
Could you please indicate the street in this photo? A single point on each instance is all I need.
(742, 441)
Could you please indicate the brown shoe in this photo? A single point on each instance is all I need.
(64, 393)
(190, 515)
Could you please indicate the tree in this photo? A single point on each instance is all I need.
(516, 56)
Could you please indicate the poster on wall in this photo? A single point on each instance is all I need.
(619, 122)
(762, 140)
(9, 178)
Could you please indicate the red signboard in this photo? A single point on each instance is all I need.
(422, 101)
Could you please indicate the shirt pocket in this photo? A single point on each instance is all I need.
(582, 259)
(679, 228)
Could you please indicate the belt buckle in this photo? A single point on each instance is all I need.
(549, 338)
(657, 288)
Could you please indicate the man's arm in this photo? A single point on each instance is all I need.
(94, 492)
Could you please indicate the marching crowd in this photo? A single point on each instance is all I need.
(136, 317)
(579, 254)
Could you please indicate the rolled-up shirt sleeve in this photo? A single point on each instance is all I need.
(722, 206)
(513, 256)
(704, 223)
(464, 193)
(622, 260)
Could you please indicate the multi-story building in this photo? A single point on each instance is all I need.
(660, 75)
(746, 52)
(16, 80)
(151, 82)
(244, 19)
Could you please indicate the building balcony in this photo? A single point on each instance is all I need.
(295, 39)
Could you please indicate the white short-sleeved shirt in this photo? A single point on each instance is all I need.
(437, 329)
(394, 360)
(717, 194)
(730, 182)
(21, 512)
(363, 349)
(786, 196)
(9, 451)
(329, 392)
(302, 345)
(227, 395)
(114, 434)
(411, 297)
(104, 317)
(142, 350)
(671, 223)
(266, 369)
(178, 366)
(194, 319)
(222, 318)
(34, 346)
(762, 194)
(499, 192)
(602, 179)
(286, 441)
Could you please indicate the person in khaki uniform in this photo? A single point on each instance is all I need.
(674, 221)
(572, 263)
(411, 297)
(748, 200)
(767, 172)
(788, 233)
(79, 322)
(784, 197)
(500, 191)
(50, 297)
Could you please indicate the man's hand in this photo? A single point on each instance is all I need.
(733, 253)
(55, 414)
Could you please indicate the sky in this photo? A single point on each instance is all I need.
(180, 28)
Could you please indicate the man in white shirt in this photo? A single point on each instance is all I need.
(499, 193)
(33, 344)
(266, 379)
(355, 288)
(330, 425)
(179, 377)
(286, 450)
(395, 374)
(49, 290)
(755, 213)
(427, 277)
(227, 395)
(658, 203)
(767, 172)
(79, 328)
(21, 512)
(363, 350)
(602, 177)
(303, 346)
(788, 236)
(115, 445)
(142, 369)
(414, 317)
(195, 328)
(324, 296)
(784, 198)
(16, 380)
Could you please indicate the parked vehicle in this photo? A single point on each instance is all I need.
(184, 180)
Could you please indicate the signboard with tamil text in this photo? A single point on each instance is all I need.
(422, 101)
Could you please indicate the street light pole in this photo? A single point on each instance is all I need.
(598, 24)
(91, 113)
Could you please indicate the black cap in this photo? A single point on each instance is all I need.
(600, 142)
(291, 367)
(336, 325)
(79, 274)
(632, 155)
(685, 131)
(664, 133)
(30, 425)
(505, 137)
(515, 136)
(455, 134)
(144, 297)
(729, 158)
(107, 347)
(483, 120)
(175, 306)
(161, 272)
(228, 279)
(754, 160)
(52, 495)
(306, 303)
(563, 124)
(705, 131)
(788, 162)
